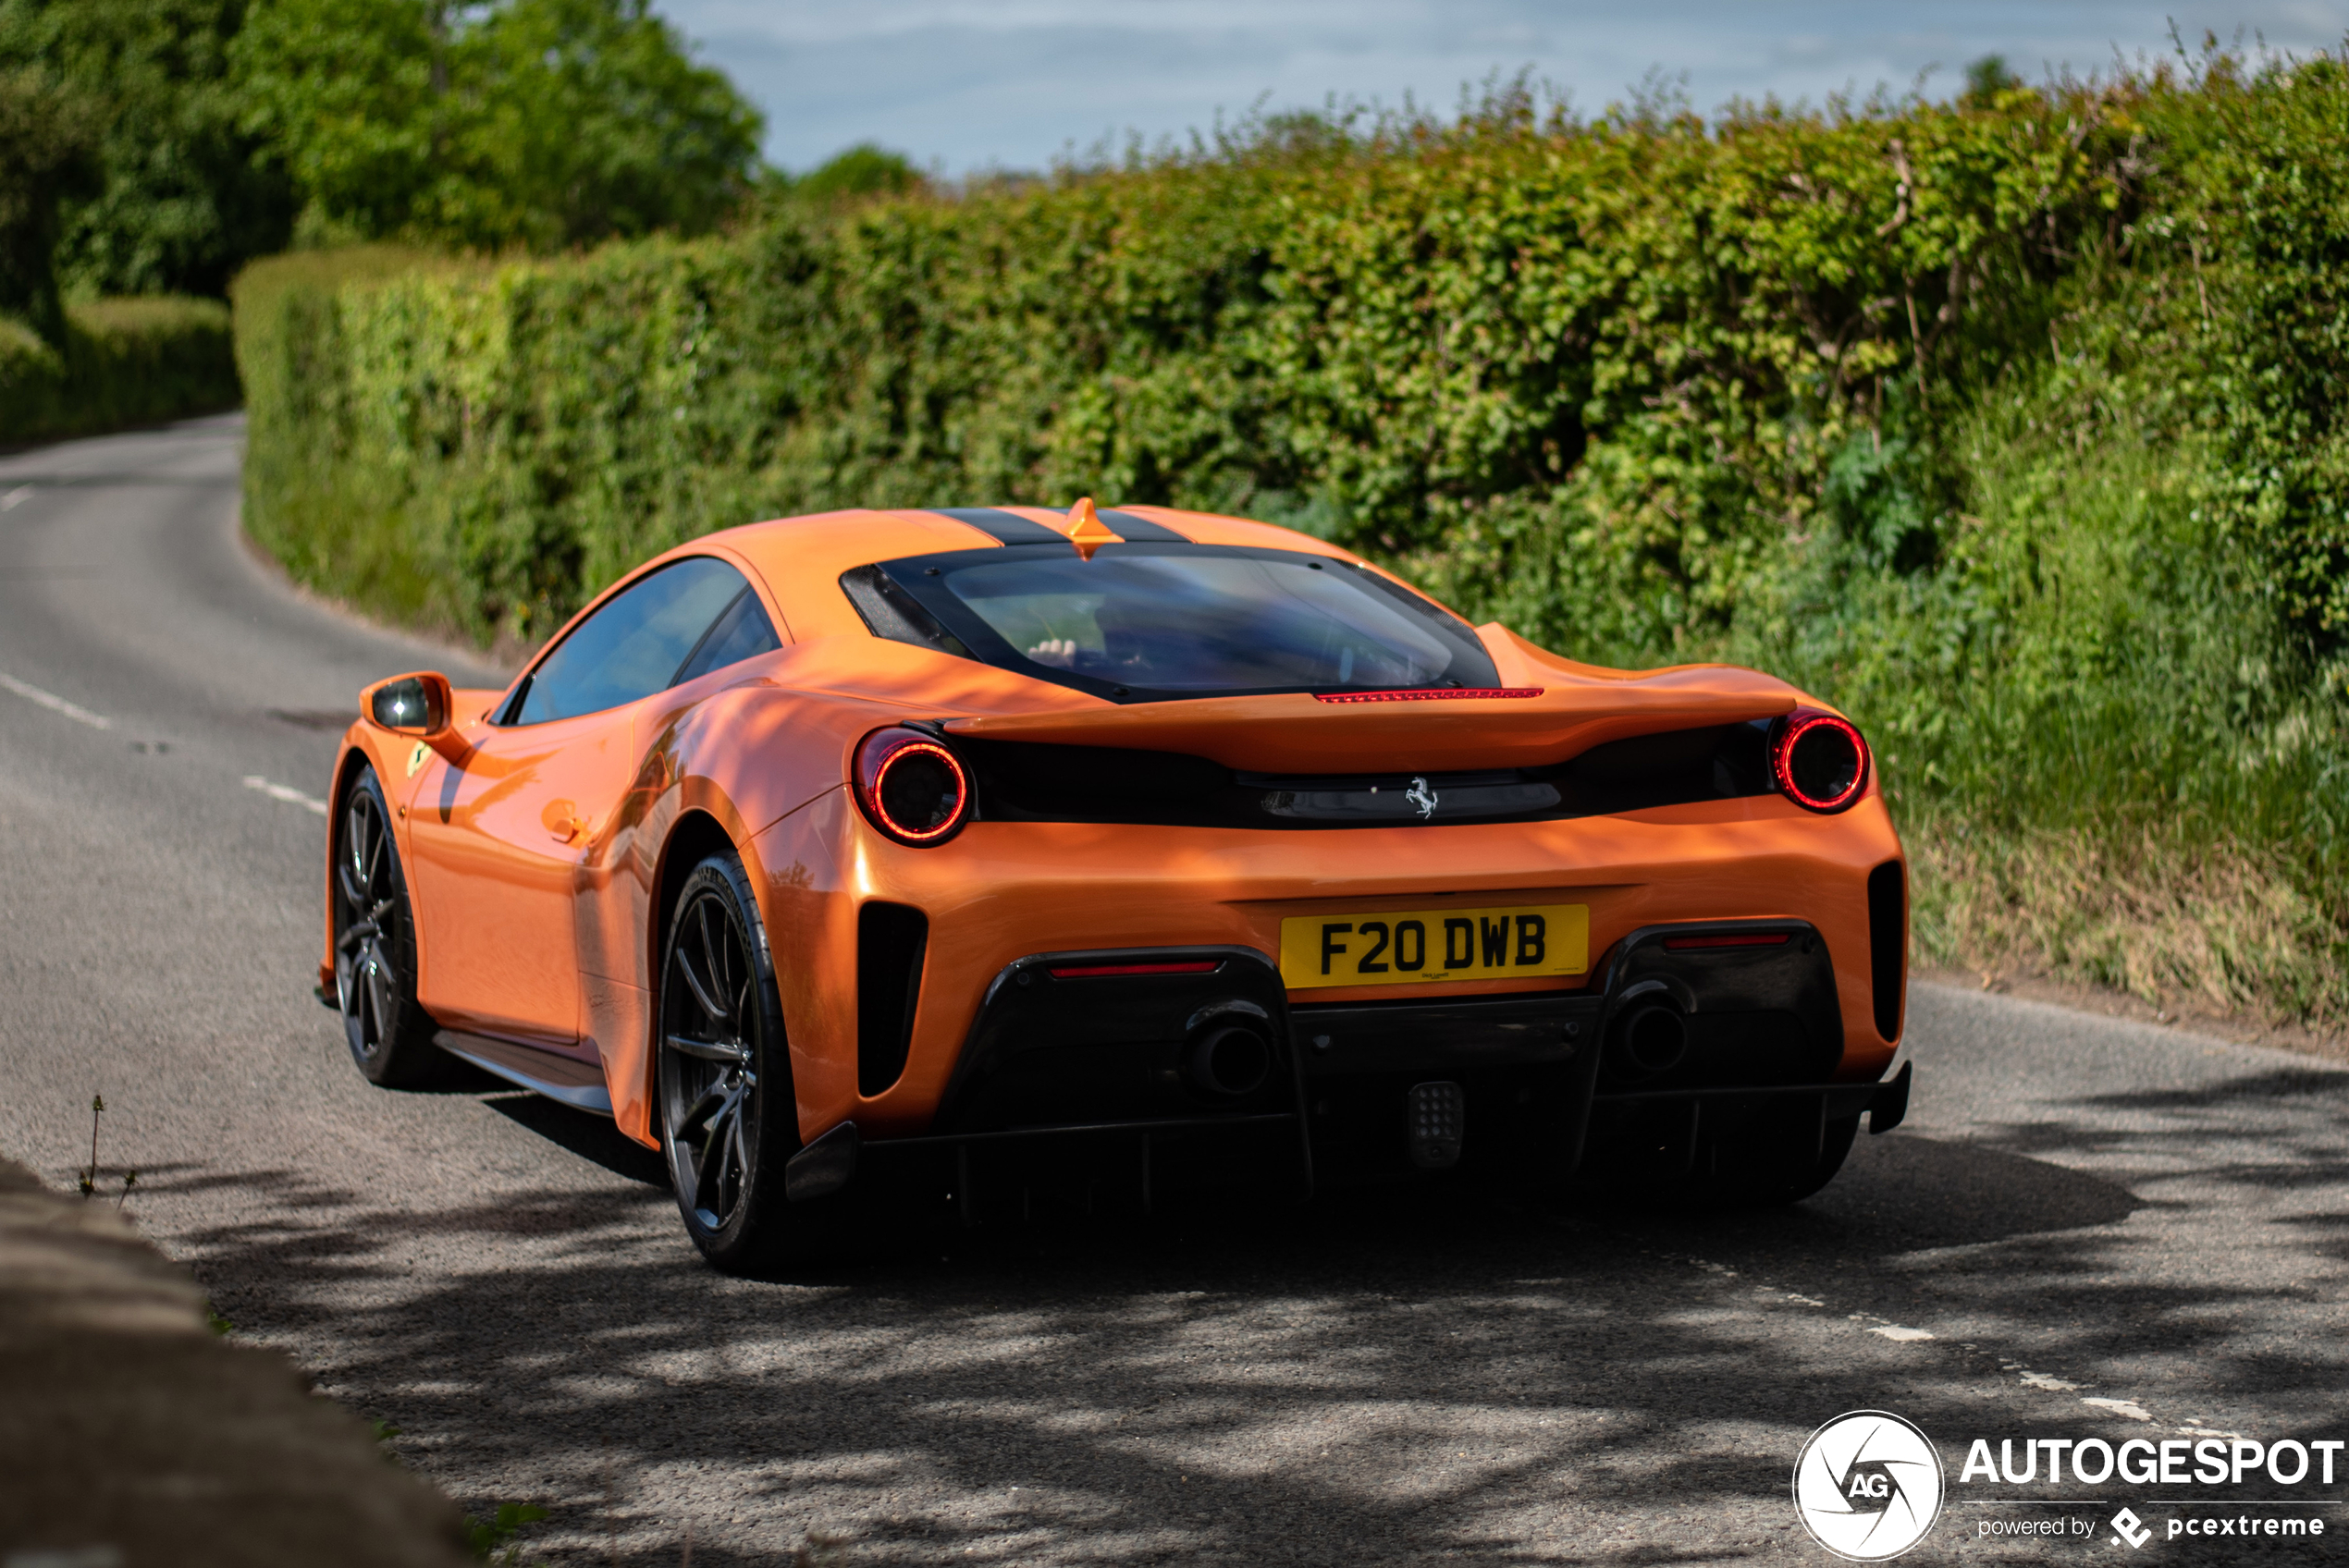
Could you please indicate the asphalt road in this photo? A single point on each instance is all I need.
(2079, 1211)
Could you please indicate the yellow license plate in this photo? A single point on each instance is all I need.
(1415, 946)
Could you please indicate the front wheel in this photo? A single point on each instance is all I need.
(390, 1036)
(729, 1119)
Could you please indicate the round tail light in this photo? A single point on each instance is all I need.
(911, 787)
(1818, 761)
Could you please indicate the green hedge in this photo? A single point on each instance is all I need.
(2011, 425)
(124, 363)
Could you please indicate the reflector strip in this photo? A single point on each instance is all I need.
(1089, 971)
(1428, 695)
(1742, 939)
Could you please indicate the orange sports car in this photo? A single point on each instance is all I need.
(1021, 858)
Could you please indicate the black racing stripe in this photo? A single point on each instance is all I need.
(1125, 525)
(1006, 528)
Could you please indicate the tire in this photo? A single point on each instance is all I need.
(729, 1119)
(390, 1036)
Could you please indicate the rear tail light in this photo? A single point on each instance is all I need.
(1818, 761)
(1103, 971)
(911, 787)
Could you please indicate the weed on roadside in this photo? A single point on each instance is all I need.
(86, 1181)
(492, 1538)
(89, 1181)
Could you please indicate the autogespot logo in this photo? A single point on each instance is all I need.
(1868, 1486)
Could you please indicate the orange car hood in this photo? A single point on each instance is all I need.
(1297, 733)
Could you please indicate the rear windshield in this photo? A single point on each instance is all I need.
(1140, 621)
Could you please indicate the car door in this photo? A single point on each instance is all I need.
(500, 835)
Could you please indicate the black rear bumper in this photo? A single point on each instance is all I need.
(1101, 1052)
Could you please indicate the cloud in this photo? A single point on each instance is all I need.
(979, 83)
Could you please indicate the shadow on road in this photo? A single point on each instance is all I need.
(1381, 1375)
(592, 1138)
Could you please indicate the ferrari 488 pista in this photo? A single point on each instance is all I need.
(1014, 857)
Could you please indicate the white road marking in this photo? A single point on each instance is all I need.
(285, 793)
(55, 703)
(21, 492)
(2041, 1381)
(2129, 1408)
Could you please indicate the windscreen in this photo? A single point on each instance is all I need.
(1175, 620)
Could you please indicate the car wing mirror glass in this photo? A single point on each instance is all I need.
(416, 705)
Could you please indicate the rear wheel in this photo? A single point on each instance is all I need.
(389, 1034)
(729, 1119)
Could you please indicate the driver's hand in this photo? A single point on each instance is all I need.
(1058, 652)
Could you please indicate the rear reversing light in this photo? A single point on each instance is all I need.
(1818, 761)
(911, 787)
(1102, 971)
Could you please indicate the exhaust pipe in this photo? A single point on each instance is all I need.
(1230, 1061)
(1650, 1038)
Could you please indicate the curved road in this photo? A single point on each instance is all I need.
(2079, 1211)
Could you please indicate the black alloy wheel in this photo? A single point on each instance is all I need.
(389, 1034)
(728, 1121)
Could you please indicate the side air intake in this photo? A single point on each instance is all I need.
(891, 942)
(1888, 944)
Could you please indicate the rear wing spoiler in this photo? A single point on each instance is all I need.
(1351, 732)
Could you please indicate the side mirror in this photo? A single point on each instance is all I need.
(415, 704)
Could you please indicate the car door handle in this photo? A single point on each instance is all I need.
(563, 820)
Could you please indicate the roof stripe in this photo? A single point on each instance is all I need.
(1005, 527)
(1125, 525)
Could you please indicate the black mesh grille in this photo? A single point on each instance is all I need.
(1888, 944)
(891, 941)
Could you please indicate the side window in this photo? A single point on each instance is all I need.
(636, 645)
(741, 631)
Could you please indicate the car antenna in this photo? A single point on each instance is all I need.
(1086, 530)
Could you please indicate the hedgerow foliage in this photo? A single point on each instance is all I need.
(1421, 339)
(2010, 424)
(122, 362)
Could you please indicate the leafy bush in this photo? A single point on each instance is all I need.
(181, 195)
(539, 123)
(169, 142)
(866, 169)
(48, 147)
(2012, 426)
(124, 363)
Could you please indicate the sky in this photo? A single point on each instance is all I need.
(970, 85)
